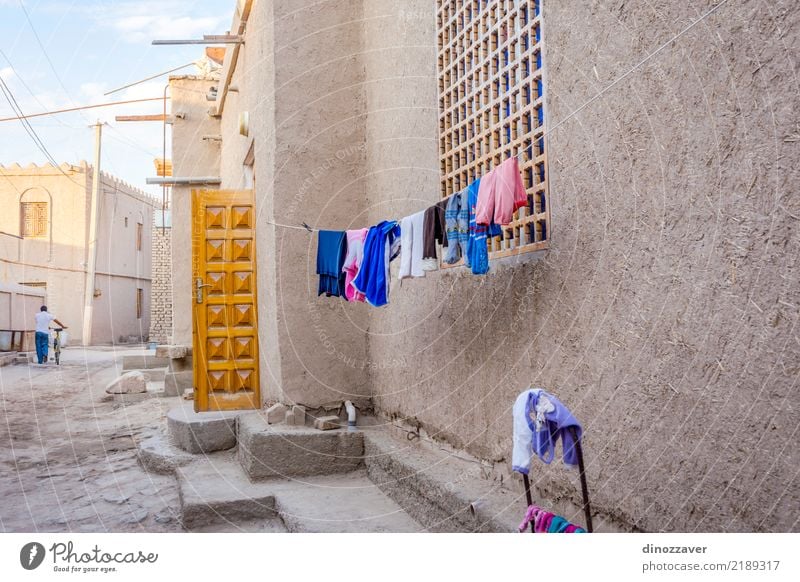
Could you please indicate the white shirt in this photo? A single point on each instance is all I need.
(43, 319)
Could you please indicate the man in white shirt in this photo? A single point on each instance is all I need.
(43, 319)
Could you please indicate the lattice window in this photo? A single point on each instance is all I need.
(491, 106)
(33, 219)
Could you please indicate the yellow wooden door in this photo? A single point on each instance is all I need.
(224, 322)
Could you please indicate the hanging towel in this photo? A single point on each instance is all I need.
(457, 221)
(411, 237)
(352, 262)
(502, 193)
(539, 420)
(434, 229)
(477, 241)
(331, 248)
(381, 246)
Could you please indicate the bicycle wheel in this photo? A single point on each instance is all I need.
(57, 352)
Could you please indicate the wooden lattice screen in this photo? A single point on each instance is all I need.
(34, 219)
(491, 105)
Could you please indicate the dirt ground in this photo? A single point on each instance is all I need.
(68, 451)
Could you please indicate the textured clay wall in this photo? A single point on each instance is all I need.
(664, 313)
(254, 79)
(313, 170)
(192, 156)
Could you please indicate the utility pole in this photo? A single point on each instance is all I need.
(91, 258)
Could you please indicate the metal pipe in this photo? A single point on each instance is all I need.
(528, 495)
(172, 181)
(584, 488)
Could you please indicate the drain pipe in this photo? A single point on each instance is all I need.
(351, 416)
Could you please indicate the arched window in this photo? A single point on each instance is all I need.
(34, 214)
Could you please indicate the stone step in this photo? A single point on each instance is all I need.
(157, 454)
(145, 362)
(443, 492)
(269, 451)
(215, 494)
(201, 432)
(344, 503)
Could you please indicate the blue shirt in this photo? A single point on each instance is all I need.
(380, 247)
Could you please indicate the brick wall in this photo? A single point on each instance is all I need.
(161, 300)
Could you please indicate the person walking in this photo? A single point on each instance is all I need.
(43, 319)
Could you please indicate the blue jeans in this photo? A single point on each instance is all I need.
(41, 346)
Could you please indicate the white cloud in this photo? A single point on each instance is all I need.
(6, 72)
(141, 21)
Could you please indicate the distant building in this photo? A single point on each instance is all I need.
(44, 233)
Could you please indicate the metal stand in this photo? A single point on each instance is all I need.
(584, 487)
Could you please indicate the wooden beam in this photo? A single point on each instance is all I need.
(157, 117)
(243, 12)
(207, 39)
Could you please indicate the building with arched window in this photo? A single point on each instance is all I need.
(44, 233)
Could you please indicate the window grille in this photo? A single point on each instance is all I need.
(34, 219)
(491, 107)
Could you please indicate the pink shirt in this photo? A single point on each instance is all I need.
(501, 194)
(352, 262)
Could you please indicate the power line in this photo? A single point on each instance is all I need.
(25, 124)
(82, 107)
(27, 87)
(12, 101)
(149, 78)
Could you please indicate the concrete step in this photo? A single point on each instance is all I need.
(214, 493)
(157, 454)
(345, 503)
(441, 491)
(269, 451)
(203, 432)
(145, 362)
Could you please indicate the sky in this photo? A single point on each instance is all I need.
(84, 49)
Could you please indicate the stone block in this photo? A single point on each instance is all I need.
(201, 432)
(173, 352)
(289, 418)
(129, 383)
(327, 423)
(143, 362)
(267, 451)
(276, 413)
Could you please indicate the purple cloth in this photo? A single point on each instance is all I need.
(556, 424)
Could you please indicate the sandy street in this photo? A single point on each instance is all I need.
(68, 453)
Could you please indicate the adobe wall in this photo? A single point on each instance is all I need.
(664, 313)
(300, 76)
(196, 157)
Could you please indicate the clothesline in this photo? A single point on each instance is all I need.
(709, 12)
